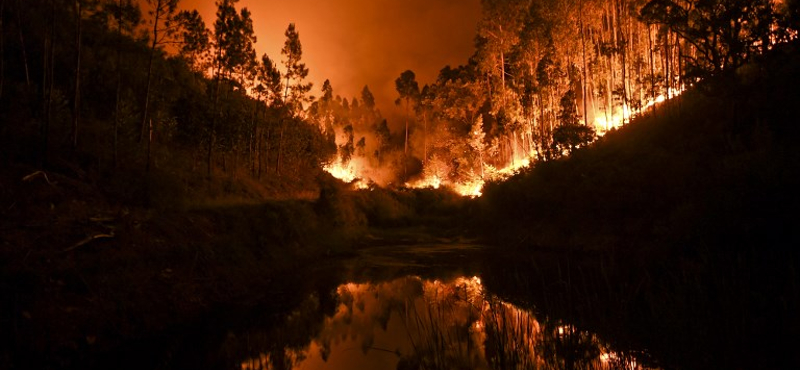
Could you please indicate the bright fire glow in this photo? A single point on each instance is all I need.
(623, 114)
(361, 174)
(348, 173)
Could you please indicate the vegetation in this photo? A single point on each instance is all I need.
(117, 103)
(546, 76)
(153, 173)
(671, 234)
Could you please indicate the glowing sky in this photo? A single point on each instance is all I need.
(364, 42)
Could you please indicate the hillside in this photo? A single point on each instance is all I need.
(675, 233)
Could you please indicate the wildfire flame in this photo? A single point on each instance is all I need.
(623, 113)
(349, 173)
(357, 171)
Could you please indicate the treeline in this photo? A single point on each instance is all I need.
(111, 84)
(548, 75)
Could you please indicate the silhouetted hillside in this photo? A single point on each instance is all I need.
(676, 234)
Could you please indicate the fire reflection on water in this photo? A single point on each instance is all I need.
(412, 323)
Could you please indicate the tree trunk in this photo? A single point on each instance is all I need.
(115, 151)
(503, 77)
(149, 145)
(583, 55)
(652, 68)
(405, 148)
(425, 140)
(665, 65)
(624, 47)
(612, 73)
(22, 45)
(267, 144)
(150, 69)
(254, 137)
(48, 87)
(2, 47)
(213, 124)
(280, 149)
(77, 96)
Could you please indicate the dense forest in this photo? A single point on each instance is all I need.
(548, 77)
(145, 94)
(111, 85)
(160, 180)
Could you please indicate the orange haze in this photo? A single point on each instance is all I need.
(364, 42)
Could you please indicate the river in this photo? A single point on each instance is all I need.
(413, 306)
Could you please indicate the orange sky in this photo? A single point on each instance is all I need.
(364, 42)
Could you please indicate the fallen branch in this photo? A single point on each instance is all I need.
(38, 173)
(88, 240)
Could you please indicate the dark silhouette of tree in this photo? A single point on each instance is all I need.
(269, 81)
(2, 47)
(383, 137)
(76, 96)
(500, 28)
(367, 98)
(195, 37)
(347, 149)
(724, 33)
(408, 89)
(296, 72)
(162, 12)
(570, 134)
(296, 90)
(234, 52)
(127, 16)
(268, 89)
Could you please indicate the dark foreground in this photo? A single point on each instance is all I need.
(674, 240)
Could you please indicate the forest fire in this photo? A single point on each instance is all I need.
(622, 114)
(348, 173)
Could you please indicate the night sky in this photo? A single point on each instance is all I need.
(364, 42)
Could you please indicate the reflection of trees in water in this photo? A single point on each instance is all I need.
(442, 325)
(282, 346)
(458, 326)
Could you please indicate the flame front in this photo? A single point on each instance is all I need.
(440, 171)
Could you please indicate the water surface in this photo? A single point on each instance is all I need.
(417, 307)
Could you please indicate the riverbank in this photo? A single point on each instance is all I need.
(86, 274)
(83, 273)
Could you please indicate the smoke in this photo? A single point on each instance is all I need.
(365, 42)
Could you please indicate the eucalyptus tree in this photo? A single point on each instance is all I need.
(408, 90)
(367, 98)
(500, 28)
(724, 34)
